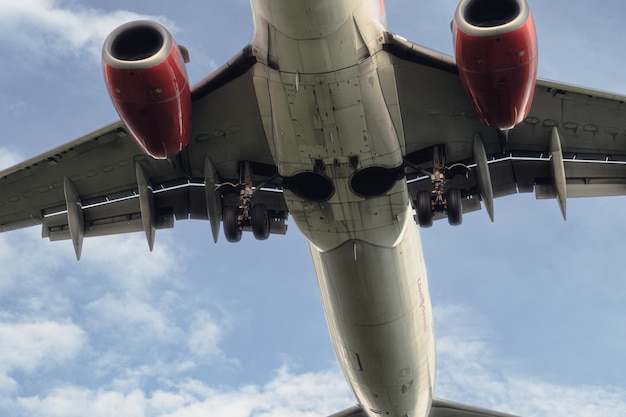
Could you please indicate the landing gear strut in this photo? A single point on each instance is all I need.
(247, 214)
(440, 200)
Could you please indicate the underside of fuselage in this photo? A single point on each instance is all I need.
(332, 123)
(379, 315)
(336, 136)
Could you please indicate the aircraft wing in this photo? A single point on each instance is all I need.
(103, 183)
(572, 144)
(439, 408)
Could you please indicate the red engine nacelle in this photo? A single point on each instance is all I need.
(495, 46)
(147, 80)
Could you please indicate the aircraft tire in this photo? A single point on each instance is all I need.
(232, 232)
(423, 205)
(455, 206)
(260, 222)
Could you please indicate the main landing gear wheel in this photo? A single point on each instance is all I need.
(232, 231)
(260, 222)
(423, 205)
(454, 206)
(443, 198)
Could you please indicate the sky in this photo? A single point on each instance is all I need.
(529, 310)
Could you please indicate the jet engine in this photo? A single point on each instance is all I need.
(145, 74)
(495, 46)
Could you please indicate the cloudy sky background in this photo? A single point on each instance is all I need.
(529, 311)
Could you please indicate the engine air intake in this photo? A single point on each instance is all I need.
(491, 13)
(137, 43)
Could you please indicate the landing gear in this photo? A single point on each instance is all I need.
(454, 206)
(440, 200)
(230, 218)
(423, 205)
(426, 206)
(246, 215)
(260, 222)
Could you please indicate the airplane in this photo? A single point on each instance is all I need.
(146, 193)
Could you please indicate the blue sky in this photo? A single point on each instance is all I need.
(529, 310)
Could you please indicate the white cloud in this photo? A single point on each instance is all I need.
(313, 394)
(470, 372)
(148, 370)
(78, 402)
(204, 335)
(7, 158)
(26, 286)
(287, 394)
(29, 346)
(120, 294)
(541, 399)
(7, 384)
(52, 28)
(126, 261)
(130, 315)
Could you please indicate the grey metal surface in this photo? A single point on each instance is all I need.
(444, 408)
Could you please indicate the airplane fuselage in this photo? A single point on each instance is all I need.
(327, 98)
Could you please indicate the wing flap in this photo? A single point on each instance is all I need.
(588, 179)
(178, 203)
(101, 165)
(121, 216)
(512, 175)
